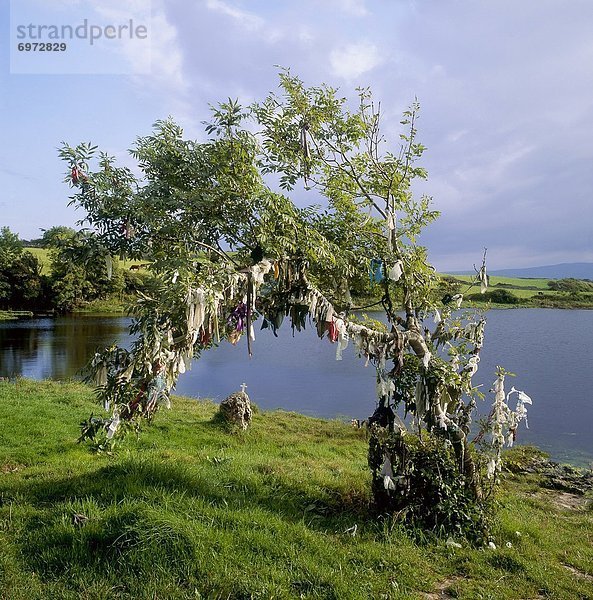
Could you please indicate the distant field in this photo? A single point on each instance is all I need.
(523, 288)
(42, 255)
(516, 282)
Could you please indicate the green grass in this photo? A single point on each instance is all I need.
(515, 282)
(522, 288)
(42, 255)
(192, 511)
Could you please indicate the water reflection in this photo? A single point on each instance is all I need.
(55, 348)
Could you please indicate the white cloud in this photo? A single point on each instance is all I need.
(58, 4)
(455, 136)
(494, 164)
(121, 8)
(305, 35)
(161, 66)
(158, 67)
(352, 60)
(167, 58)
(356, 8)
(162, 61)
(245, 19)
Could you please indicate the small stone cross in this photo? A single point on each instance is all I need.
(243, 387)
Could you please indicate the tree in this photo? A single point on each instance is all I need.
(11, 246)
(227, 247)
(571, 285)
(56, 236)
(21, 283)
(82, 269)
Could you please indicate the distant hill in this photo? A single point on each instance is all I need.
(561, 271)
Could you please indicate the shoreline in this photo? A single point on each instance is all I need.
(574, 458)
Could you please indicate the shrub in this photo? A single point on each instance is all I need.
(428, 489)
(497, 296)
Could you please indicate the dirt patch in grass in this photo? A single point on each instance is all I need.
(10, 468)
(567, 501)
(441, 590)
(564, 500)
(579, 574)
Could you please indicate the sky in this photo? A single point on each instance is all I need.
(505, 88)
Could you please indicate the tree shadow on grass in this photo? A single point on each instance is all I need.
(108, 521)
(146, 479)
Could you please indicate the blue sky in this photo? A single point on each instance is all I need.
(506, 90)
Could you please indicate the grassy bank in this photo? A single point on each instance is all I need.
(130, 274)
(110, 306)
(190, 511)
(12, 315)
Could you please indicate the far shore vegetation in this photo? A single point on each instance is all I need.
(64, 272)
(61, 273)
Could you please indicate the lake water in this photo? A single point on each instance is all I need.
(550, 350)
